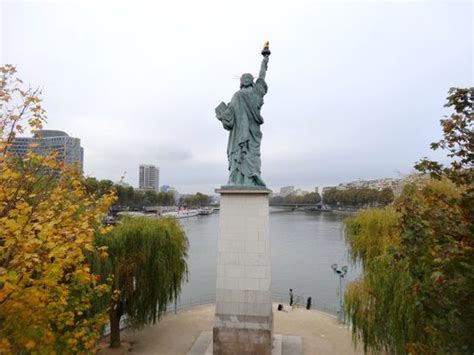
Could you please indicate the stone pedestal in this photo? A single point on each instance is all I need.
(244, 318)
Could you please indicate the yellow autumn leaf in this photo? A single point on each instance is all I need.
(48, 227)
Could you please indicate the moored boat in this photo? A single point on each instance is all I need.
(181, 213)
(205, 211)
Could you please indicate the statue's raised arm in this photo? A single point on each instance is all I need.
(264, 66)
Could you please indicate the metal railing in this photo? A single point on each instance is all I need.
(191, 302)
(277, 297)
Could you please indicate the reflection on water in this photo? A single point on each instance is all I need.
(303, 246)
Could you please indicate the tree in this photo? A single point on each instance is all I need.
(310, 198)
(197, 200)
(358, 197)
(458, 130)
(150, 198)
(385, 196)
(146, 264)
(330, 196)
(47, 221)
(127, 196)
(92, 185)
(166, 198)
(417, 290)
(277, 199)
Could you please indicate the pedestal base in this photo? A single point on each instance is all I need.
(227, 341)
(281, 345)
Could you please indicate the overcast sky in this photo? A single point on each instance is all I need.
(356, 89)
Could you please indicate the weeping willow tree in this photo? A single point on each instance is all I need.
(416, 295)
(144, 260)
(380, 305)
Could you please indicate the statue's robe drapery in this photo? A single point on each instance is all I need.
(243, 149)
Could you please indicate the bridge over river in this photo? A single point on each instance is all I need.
(305, 206)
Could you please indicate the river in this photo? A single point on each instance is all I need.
(303, 247)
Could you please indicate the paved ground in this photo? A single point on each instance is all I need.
(176, 333)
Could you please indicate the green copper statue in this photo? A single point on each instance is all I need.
(241, 117)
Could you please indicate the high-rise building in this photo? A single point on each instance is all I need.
(68, 148)
(149, 177)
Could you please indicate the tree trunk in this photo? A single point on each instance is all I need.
(114, 317)
(115, 312)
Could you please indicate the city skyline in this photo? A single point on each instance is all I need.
(21, 146)
(349, 94)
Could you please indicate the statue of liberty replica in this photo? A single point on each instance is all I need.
(242, 118)
(243, 322)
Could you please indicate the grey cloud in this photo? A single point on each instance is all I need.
(171, 154)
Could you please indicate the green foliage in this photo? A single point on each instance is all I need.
(197, 200)
(417, 291)
(381, 305)
(418, 281)
(98, 187)
(147, 265)
(128, 196)
(371, 232)
(458, 130)
(311, 198)
(358, 197)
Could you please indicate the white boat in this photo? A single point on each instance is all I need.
(181, 213)
(205, 211)
(131, 214)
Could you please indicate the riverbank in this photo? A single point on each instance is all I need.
(176, 333)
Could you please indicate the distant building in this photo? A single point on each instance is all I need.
(164, 188)
(168, 188)
(149, 177)
(396, 184)
(175, 193)
(287, 190)
(377, 184)
(327, 188)
(299, 192)
(316, 189)
(122, 184)
(68, 148)
(214, 199)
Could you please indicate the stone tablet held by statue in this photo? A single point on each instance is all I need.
(242, 118)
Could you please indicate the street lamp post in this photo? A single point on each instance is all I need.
(341, 273)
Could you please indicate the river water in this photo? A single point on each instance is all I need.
(303, 247)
